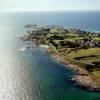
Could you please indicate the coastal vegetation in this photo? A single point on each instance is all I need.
(78, 47)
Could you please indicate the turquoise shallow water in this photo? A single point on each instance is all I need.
(32, 75)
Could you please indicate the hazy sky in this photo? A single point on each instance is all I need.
(48, 5)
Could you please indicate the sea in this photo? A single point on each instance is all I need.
(30, 74)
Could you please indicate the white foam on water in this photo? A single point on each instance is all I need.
(23, 49)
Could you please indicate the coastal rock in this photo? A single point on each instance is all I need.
(86, 82)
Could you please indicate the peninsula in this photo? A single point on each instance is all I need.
(79, 50)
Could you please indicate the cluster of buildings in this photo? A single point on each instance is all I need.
(86, 41)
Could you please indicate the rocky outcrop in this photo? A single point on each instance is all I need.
(86, 81)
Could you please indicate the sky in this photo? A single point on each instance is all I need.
(49, 5)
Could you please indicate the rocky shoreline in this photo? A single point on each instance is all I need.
(82, 78)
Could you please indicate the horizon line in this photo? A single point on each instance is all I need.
(49, 10)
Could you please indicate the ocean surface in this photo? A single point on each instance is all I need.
(32, 74)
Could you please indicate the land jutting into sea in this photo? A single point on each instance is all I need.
(76, 49)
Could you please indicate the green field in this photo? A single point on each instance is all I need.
(87, 59)
(86, 52)
(96, 73)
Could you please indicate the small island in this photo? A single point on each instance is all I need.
(79, 50)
